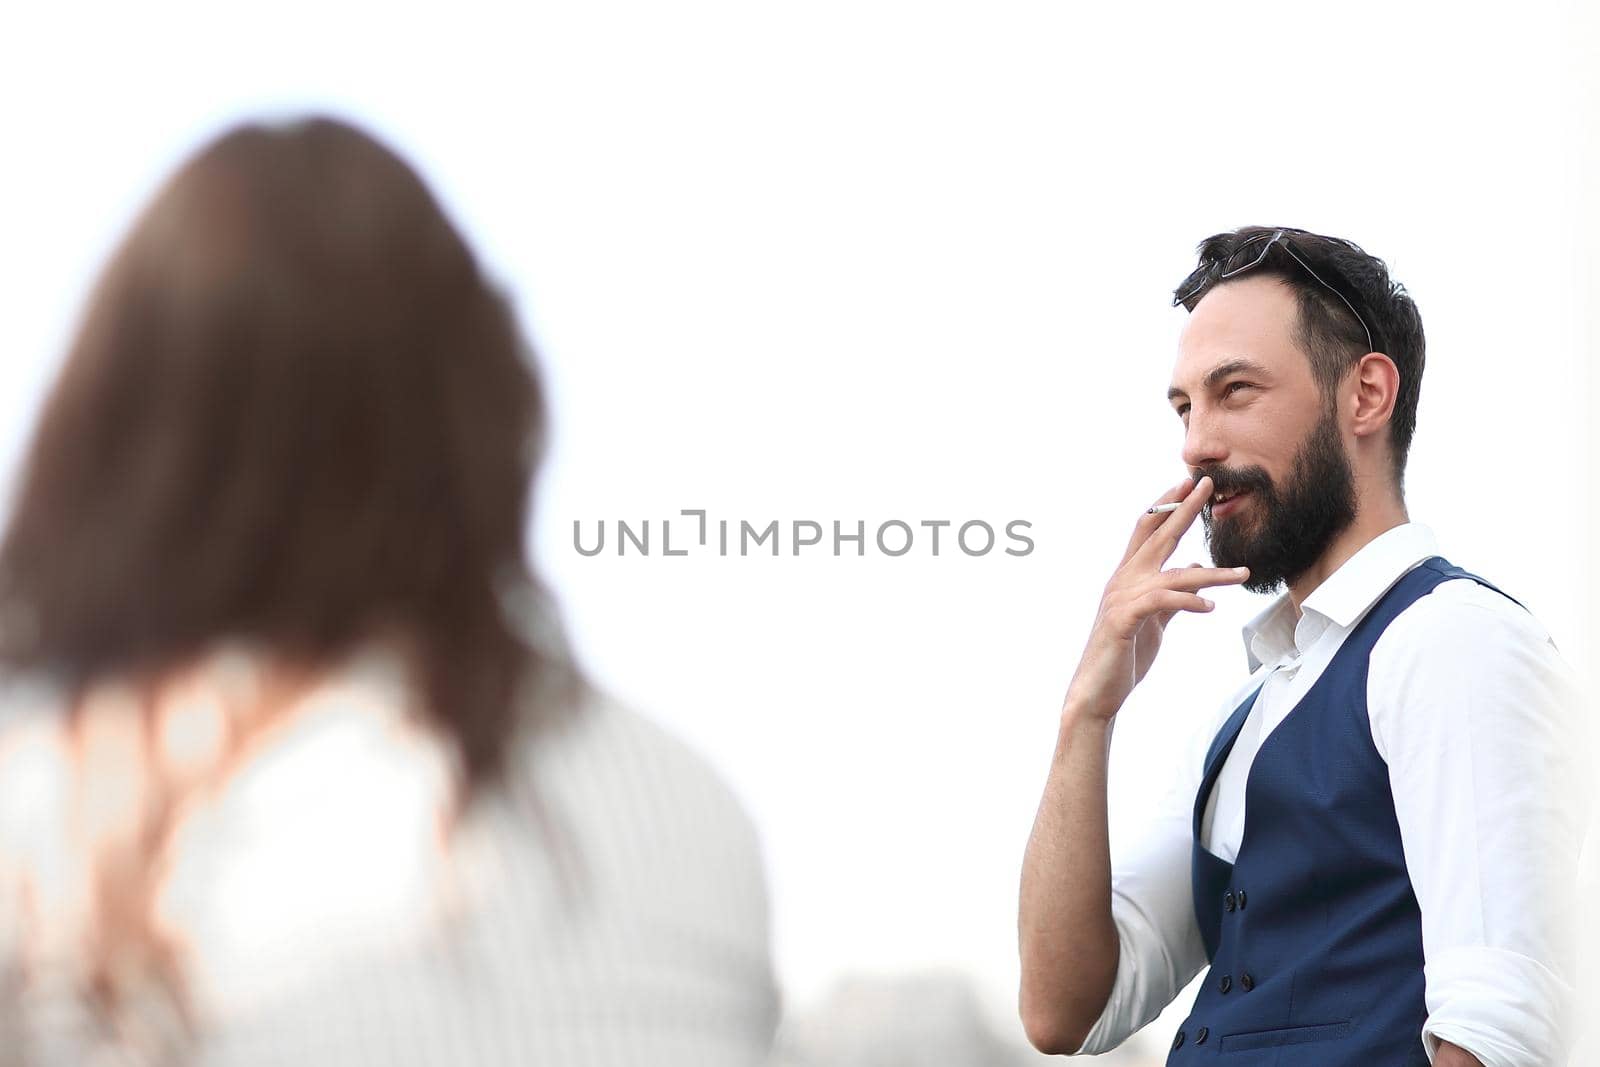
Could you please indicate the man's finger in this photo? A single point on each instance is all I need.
(1150, 521)
(1170, 602)
(1163, 541)
(1194, 578)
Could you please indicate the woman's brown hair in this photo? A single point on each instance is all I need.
(296, 414)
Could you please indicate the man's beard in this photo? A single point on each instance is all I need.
(1290, 530)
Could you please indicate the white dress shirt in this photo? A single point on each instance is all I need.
(1479, 720)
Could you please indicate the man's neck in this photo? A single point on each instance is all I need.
(1373, 517)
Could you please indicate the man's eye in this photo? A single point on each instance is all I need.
(1233, 387)
(1182, 410)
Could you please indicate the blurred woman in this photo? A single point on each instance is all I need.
(295, 766)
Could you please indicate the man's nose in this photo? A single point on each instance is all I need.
(1202, 445)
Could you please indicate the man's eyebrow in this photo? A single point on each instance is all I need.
(1221, 371)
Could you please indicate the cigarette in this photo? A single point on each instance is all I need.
(1162, 509)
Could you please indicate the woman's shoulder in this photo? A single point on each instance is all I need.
(609, 764)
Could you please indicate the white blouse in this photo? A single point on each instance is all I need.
(606, 906)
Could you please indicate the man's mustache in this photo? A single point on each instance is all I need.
(1231, 480)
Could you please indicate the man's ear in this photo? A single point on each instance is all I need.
(1373, 384)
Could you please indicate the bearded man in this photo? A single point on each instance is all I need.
(1374, 847)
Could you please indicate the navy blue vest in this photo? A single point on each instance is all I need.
(1313, 932)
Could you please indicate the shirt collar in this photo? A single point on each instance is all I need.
(1343, 597)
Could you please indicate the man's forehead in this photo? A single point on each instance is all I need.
(1252, 319)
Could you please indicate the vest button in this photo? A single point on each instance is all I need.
(1200, 1038)
(1227, 900)
(1226, 983)
(1240, 896)
(1177, 1042)
(1246, 983)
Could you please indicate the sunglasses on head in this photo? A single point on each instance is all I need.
(1252, 252)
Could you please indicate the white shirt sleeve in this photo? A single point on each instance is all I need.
(1480, 721)
(1152, 905)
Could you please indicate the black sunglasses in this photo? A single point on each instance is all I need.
(1240, 260)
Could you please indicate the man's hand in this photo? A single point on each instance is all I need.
(1140, 600)
(1066, 934)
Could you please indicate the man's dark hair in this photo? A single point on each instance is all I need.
(1332, 337)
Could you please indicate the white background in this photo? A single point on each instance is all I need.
(860, 261)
